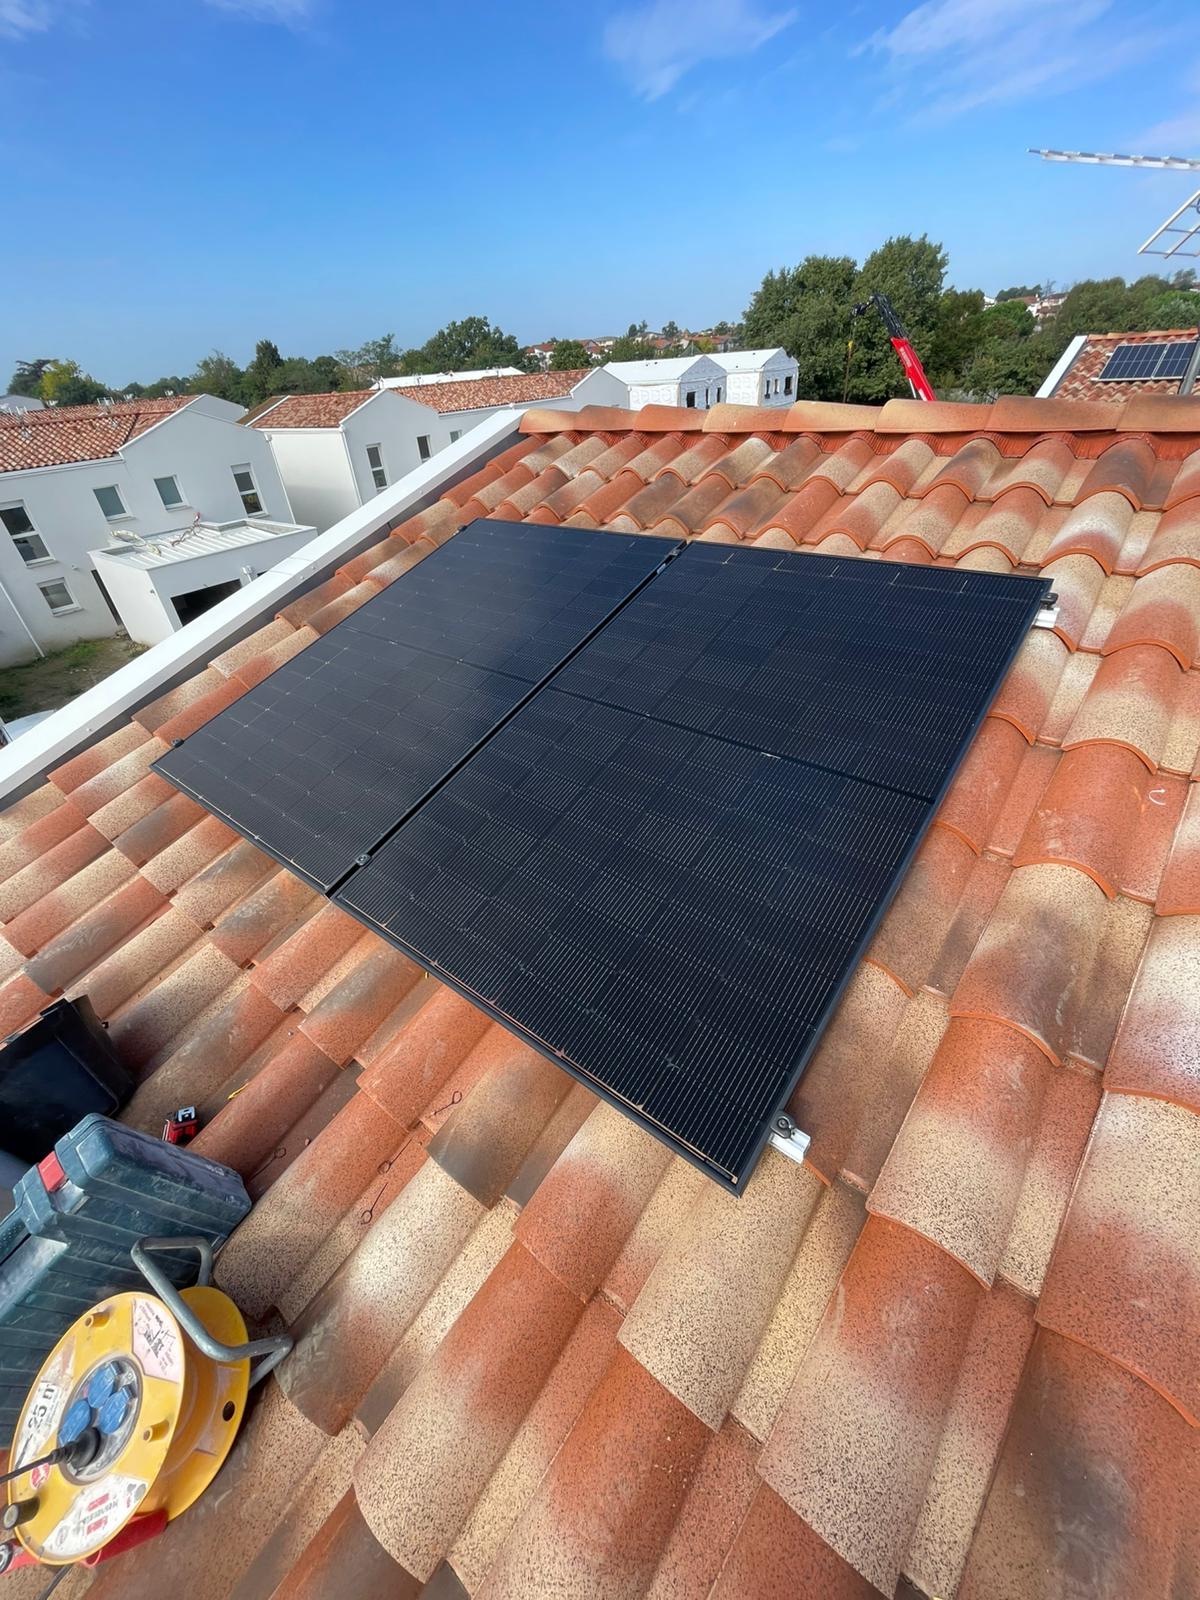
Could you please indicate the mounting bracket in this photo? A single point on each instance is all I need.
(788, 1139)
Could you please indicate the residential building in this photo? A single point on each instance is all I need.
(1115, 367)
(73, 477)
(160, 584)
(337, 451)
(690, 381)
(465, 375)
(759, 377)
(465, 402)
(954, 1352)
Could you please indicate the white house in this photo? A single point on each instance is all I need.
(337, 451)
(697, 381)
(464, 375)
(74, 479)
(160, 584)
(759, 377)
(464, 402)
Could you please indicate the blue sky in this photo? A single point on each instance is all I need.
(179, 175)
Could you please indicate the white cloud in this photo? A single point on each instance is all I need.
(656, 43)
(291, 13)
(20, 18)
(949, 57)
(1177, 136)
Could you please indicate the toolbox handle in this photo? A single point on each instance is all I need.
(272, 1349)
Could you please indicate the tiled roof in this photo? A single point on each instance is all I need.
(523, 390)
(953, 1354)
(308, 410)
(58, 435)
(1082, 379)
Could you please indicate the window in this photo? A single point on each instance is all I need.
(110, 501)
(251, 501)
(168, 491)
(30, 545)
(375, 462)
(423, 449)
(58, 597)
(718, 394)
(455, 435)
(690, 398)
(787, 384)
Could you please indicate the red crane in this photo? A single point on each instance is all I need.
(909, 359)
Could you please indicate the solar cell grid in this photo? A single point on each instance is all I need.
(1135, 362)
(327, 755)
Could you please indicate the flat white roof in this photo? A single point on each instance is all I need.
(202, 539)
(667, 369)
(749, 360)
(449, 377)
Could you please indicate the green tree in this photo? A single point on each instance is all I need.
(957, 335)
(64, 383)
(670, 330)
(1009, 365)
(261, 378)
(1006, 319)
(806, 309)
(911, 273)
(1175, 309)
(467, 344)
(377, 358)
(1018, 292)
(567, 355)
(27, 378)
(219, 375)
(160, 387)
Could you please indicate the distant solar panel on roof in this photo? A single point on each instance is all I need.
(662, 870)
(326, 756)
(1133, 362)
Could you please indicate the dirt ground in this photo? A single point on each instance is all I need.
(46, 685)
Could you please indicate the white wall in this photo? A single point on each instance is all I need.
(394, 423)
(144, 595)
(200, 445)
(314, 465)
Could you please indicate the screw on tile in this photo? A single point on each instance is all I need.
(175, 743)
(362, 861)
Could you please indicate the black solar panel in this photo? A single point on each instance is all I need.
(327, 755)
(662, 870)
(1131, 362)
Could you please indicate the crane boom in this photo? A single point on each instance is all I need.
(913, 370)
(1092, 158)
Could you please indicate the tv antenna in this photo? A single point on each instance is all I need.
(1179, 235)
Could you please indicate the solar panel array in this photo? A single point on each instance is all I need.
(1131, 362)
(326, 756)
(661, 860)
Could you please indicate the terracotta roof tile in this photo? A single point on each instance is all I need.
(1091, 1488)
(603, 1514)
(421, 1473)
(881, 1371)
(955, 1171)
(62, 434)
(954, 1095)
(1125, 1275)
(696, 1323)
(310, 410)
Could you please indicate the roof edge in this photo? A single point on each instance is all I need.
(1062, 366)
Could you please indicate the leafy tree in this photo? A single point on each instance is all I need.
(1007, 319)
(911, 272)
(160, 387)
(957, 334)
(65, 383)
(1184, 278)
(1018, 293)
(670, 330)
(27, 379)
(806, 309)
(1175, 309)
(567, 355)
(261, 378)
(378, 358)
(472, 342)
(219, 375)
(1011, 365)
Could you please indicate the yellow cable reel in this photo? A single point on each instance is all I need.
(164, 1416)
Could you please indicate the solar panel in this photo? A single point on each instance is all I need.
(326, 756)
(1133, 362)
(662, 870)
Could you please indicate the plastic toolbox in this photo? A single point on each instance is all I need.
(75, 1216)
(58, 1069)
